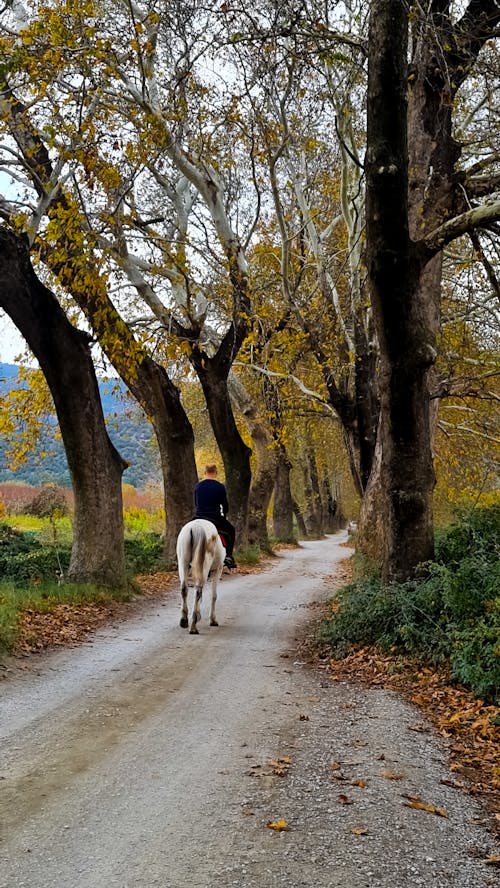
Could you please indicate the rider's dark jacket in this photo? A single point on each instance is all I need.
(210, 500)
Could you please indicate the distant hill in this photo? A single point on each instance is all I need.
(131, 434)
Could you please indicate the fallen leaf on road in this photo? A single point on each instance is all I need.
(361, 783)
(344, 800)
(390, 775)
(359, 831)
(492, 860)
(278, 825)
(281, 765)
(415, 802)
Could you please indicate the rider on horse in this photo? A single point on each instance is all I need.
(210, 501)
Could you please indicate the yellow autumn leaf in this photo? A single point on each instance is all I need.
(359, 830)
(492, 860)
(278, 825)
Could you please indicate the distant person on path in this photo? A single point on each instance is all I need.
(210, 502)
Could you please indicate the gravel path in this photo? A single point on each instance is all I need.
(149, 757)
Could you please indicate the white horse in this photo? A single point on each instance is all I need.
(200, 546)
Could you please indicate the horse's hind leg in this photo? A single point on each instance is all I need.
(213, 621)
(196, 611)
(184, 607)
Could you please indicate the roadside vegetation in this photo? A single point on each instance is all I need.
(448, 616)
(33, 566)
(35, 550)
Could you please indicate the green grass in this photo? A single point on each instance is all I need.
(31, 567)
(248, 555)
(44, 598)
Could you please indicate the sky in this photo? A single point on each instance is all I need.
(12, 343)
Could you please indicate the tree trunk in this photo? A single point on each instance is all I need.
(213, 376)
(264, 472)
(301, 524)
(406, 481)
(405, 282)
(330, 522)
(148, 382)
(160, 399)
(312, 512)
(96, 468)
(366, 399)
(283, 503)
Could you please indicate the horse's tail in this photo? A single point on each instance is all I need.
(198, 552)
(203, 547)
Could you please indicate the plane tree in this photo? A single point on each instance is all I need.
(96, 468)
(417, 203)
(51, 169)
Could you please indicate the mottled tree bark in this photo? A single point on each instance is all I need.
(96, 468)
(413, 188)
(213, 375)
(404, 486)
(265, 460)
(283, 502)
(312, 512)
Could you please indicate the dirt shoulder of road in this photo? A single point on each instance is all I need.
(470, 728)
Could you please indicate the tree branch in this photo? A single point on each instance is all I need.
(478, 217)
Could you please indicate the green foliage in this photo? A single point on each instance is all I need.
(43, 562)
(23, 559)
(476, 657)
(249, 555)
(449, 615)
(12, 542)
(9, 610)
(478, 529)
(31, 577)
(144, 553)
(136, 521)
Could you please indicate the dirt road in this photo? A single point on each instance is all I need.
(149, 757)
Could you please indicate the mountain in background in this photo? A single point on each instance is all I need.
(130, 432)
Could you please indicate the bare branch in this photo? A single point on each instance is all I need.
(478, 217)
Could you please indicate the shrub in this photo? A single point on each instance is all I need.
(43, 562)
(451, 614)
(476, 657)
(50, 502)
(143, 554)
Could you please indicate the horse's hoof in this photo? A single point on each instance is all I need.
(194, 631)
(214, 623)
(183, 623)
